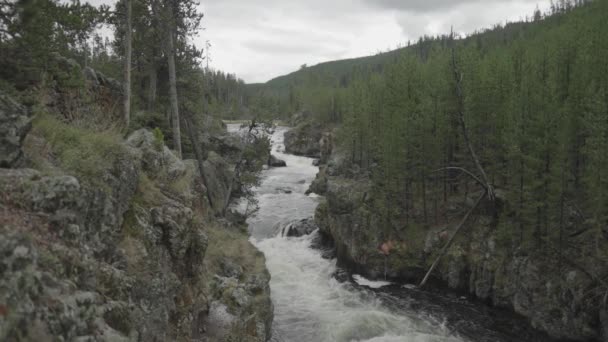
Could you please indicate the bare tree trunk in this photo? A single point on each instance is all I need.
(463, 124)
(127, 76)
(189, 123)
(153, 80)
(177, 136)
(424, 208)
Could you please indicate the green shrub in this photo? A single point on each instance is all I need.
(159, 139)
(87, 154)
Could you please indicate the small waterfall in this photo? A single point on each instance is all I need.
(310, 304)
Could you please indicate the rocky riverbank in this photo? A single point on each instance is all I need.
(560, 296)
(111, 239)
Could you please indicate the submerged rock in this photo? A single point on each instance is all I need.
(300, 228)
(273, 161)
(284, 190)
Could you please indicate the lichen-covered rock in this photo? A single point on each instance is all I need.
(15, 123)
(155, 155)
(122, 258)
(219, 175)
(238, 298)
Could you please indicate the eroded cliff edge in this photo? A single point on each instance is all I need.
(111, 239)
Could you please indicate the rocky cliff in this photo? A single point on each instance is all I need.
(303, 140)
(107, 239)
(563, 296)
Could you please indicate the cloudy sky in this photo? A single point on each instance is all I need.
(262, 39)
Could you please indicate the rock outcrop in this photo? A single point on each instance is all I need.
(556, 297)
(273, 161)
(304, 140)
(136, 255)
(300, 228)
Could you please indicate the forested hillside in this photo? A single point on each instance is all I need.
(534, 96)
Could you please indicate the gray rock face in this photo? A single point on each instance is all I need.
(300, 228)
(124, 262)
(552, 299)
(220, 322)
(319, 184)
(155, 155)
(244, 310)
(219, 175)
(229, 145)
(273, 161)
(64, 237)
(304, 140)
(15, 123)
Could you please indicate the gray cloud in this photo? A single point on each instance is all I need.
(436, 5)
(261, 39)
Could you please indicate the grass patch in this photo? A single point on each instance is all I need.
(87, 154)
(225, 243)
(183, 184)
(148, 195)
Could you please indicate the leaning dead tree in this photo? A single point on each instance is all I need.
(196, 146)
(463, 124)
(483, 180)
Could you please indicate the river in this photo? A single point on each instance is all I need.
(313, 305)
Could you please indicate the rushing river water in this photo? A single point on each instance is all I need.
(312, 305)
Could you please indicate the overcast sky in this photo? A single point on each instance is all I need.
(262, 39)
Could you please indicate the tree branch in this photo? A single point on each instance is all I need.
(465, 132)
(197, 151)
(469, 173)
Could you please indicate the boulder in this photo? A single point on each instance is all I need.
(15, 123)
(273, 161)
(156, 156)
(219, 175)
(283, 190)
(219, 322)
(300, 228)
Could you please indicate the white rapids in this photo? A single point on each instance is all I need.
(310, 305)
